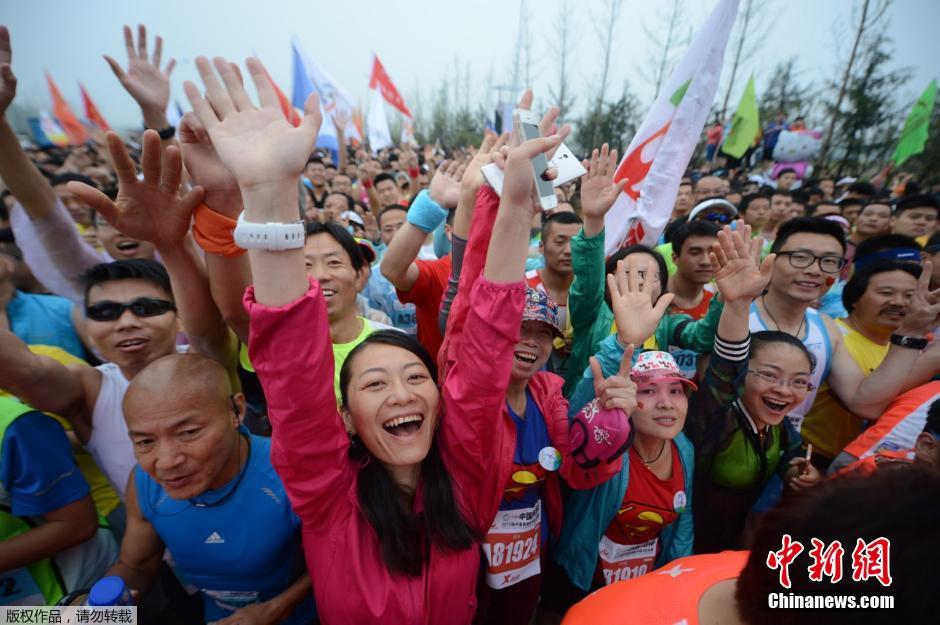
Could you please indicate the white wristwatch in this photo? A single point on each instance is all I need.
(272, 236)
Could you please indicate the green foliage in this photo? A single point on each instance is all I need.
(611, 122)
(926, 165)
(784, 93)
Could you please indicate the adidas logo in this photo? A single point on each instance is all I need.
(215, 539)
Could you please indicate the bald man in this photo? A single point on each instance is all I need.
(205, 489)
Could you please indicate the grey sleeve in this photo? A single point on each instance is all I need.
(457, 247)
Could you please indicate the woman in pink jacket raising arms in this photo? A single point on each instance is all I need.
(396, 491)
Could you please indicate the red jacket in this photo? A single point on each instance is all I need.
(290, 348)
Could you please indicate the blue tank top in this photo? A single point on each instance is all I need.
(819, 344)
(245, 550)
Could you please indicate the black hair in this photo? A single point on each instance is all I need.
(857, 285)
(814, 225)
(812, 189)
(129, 269)
(350, 202)
(392, 207)
(747, 199)
(862, 188)
(850, 201)
(933, 418)
(841, 510)
(883, 242)
(933, 242)
(811, 210)
(874, 201)
(909, 202)
(341, 236)
(315, 158)
(673, 226)
(780, 192)
(71, 177)
(563, 217)
(404, 536)
(611, 266)
(786, 170)
(767, 337)
(799, 196)
(382, 178)
(696, 228)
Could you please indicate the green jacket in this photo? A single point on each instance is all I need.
(592, 319)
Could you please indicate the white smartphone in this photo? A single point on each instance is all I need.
(526, 124)
(568, 166)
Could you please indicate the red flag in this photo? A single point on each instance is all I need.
(63, 113)
(381, 80)
(92, 113)
(290, 113)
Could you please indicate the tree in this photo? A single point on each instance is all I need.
(661, 58)
(869, 16)
(866, 130)
(784, 94)
(604, 26)
(614, 123)
(562, 49)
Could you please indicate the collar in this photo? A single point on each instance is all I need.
(747, 416)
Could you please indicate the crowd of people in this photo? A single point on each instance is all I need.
(267, 383)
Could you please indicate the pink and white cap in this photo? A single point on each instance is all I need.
(652, 366)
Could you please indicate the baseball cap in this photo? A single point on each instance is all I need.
(599, 435)
(352, 216)
(711, 205)
(539, 306)
(368, 252)
(653, 366)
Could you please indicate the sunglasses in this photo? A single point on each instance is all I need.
(140, 307)
(722, 218)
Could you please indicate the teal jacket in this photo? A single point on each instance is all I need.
(588, 513)
(592, 319)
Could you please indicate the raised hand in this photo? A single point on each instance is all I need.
(143, 79)
(473, 176)
(519, 179)
(206, 169)
(619, 390)
(7, 77)
(445, 185)
(740, 276)
(923, 311)
(149, 209)
(264, 152)
(631, 300)
(598, 189)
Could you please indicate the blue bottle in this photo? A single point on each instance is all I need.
(109, 591)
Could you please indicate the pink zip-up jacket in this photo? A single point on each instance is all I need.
(290, 349)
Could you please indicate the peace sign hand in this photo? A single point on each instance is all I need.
(619, 390)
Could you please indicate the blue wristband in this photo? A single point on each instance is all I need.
(425, 214)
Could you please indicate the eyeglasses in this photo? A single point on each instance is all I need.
(802, 260)
(140, 307)
(797, 384)
(722, 218)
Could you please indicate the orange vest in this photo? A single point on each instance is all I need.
(667, 596)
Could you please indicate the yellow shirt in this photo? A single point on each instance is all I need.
(104, 497)
(829, 426)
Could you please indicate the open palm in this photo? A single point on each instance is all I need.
(7, 78)
(598, 189)
(631, 300)
(206, 168)
(257, 145)
(143, 79)
(740, 276)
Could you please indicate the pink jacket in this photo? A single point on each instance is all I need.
(290, 348)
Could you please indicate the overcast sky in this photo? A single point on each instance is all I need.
(420, 42)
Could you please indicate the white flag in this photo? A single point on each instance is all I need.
(333, 97)
(659, 153)
(377, 123)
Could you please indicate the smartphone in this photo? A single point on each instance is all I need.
(526, 124)
(568, 166)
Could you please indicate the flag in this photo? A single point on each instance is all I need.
(46, 132)
(745, 125)
(377, 123)
(91, 111)
(291, 114)
(660, 151)
(310, 77)
(73, 128)
(381, 80)
(914, 135)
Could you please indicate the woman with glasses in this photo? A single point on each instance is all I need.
(739, 427)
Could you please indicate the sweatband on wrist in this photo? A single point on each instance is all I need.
(413, 172)
(425, 214)
(213, 232)
(367, 183)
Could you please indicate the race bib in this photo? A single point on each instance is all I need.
(686, 359)
(513, 546)
(232, 599)
(620, 562)
(18, 587)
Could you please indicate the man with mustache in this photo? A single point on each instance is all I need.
(877, 298)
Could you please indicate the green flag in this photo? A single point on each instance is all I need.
(914, 135)
(745, 125)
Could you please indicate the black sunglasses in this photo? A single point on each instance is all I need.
(140, 307)
(722, 218)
